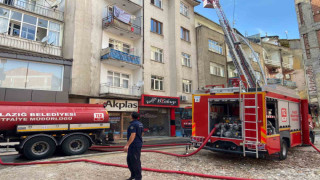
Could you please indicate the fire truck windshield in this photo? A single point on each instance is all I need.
(187, 114)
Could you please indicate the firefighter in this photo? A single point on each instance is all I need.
(133, 146)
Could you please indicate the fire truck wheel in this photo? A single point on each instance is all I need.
(283, 150)
(39, 148)
(75, 145)
(311, 136)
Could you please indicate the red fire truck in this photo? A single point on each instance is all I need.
(36, 130)
(186, 121)
(267, 121)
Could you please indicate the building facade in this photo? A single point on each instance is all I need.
(211, 54)
(309, 27)
(32, 65)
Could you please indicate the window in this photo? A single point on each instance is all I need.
(184, 9)
(157, 3)
(29, 27)
(216, 69)
(30, 75)
(120, 46)
(157, 83)
(115, 79)
(186, 86)
(185, 34)
(157, 54)
(215, 47)
(156, 26)
(186, 61)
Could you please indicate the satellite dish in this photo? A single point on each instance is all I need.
(45, 39)
(54, 4)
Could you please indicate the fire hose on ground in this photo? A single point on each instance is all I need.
(145, 169)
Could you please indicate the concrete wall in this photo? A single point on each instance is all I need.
(172, 69)
(205, 56)
(309, 25)
(83, 39)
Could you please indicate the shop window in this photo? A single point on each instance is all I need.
(155, 121)
(186, 86)
(30, 75)
(185, 34)
(115, 79)
(157, 54)
(157, 83)
(186, 60)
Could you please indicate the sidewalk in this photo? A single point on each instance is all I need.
(156, 140)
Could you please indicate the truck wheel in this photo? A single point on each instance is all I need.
(311, 137)
(75, 145)
(283, 150)
(39, 148)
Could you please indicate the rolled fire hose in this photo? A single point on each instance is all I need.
(145, 169)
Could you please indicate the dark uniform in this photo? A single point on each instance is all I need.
(134, 151)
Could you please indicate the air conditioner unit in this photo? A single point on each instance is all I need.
(184, 98)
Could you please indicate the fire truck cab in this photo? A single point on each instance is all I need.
(257, 122)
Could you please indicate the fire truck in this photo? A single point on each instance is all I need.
(252, 118)
(257, 122)
(186, 121)
(36, 130)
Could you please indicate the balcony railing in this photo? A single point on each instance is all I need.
(272, 62)
(107, 88)
(132, 27)
(122, 56)
(35, 8)
(29, 45)
(287, 83)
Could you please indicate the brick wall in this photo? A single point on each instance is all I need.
(315, 5)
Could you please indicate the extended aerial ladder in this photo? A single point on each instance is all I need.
(247, 76)
(239, 58)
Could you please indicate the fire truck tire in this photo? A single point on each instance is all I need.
(38, 148)
(75, 145)
(311, 136)
(283, 150)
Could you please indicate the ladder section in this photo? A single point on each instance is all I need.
(250, 123)
(239, 59)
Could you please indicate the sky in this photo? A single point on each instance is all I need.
(273, 17)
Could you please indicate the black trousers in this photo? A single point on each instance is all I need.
(134, 163)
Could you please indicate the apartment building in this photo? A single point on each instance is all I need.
(32, 65)
(104, 39)
(309, 26)
(211, 53)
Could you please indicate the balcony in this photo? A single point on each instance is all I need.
(107, 88)
(120, 59)
(29, 45)
(289, 84)
(130, 31)
(130, 6)
(35, 8)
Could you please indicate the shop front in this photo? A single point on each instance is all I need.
(157, 114)
(119, 114)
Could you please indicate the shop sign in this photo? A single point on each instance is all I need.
(159, 101)
(117, 105)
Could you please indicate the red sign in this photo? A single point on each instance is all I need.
(159, 101)
(284, 116)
